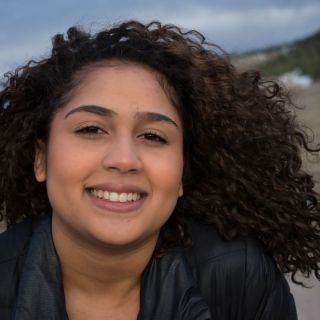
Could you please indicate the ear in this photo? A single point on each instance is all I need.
(181, 190)
(40, 161)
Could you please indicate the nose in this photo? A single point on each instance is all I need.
(122, 155)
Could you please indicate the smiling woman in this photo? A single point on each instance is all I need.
(133, 149)
(143, 177)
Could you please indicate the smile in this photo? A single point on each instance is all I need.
(115, 196)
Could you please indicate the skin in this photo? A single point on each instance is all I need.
(119, 131)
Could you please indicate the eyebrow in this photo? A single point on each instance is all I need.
(106, 112)
(154, 117)
(101, 111)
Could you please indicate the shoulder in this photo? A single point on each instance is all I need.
(14, 240)
(231, 260)
(238, 276)
(13, 245)
(208, 247)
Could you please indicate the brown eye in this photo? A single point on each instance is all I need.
(90, 130)
(154, 138)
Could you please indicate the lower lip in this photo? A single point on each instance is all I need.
(117, 206)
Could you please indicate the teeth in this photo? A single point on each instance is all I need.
(115, 196)
(106, 195)
(123, 197)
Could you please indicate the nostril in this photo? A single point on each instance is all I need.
(123, 168)
(122, 161)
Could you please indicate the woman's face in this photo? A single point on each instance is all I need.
(113, 163)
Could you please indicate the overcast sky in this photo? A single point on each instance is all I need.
(26, 26)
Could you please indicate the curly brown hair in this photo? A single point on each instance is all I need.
(242, 144)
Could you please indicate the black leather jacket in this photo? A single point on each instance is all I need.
(212, 279)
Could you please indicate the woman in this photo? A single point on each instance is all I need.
(142, 177)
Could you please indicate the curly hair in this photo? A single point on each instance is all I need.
(242, 143)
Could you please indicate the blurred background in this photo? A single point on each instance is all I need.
(279, 37)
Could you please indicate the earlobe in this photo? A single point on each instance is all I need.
(181, 190)
(40, 161)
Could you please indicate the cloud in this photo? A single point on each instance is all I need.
(25, 30)
(247, 28)
(16, 54)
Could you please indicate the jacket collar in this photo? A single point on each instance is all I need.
(40, 292)
(167, 289)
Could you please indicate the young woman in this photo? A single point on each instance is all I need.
(142, 177)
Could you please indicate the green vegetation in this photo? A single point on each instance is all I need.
(303, 55)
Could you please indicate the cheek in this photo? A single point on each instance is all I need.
(166, 172)
(66, 164)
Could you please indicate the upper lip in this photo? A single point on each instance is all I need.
(117, 187)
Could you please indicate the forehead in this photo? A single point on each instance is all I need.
(117, 84)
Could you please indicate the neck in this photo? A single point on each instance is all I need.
(96, 270)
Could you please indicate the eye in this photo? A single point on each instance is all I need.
(90, 130)
(153, 137)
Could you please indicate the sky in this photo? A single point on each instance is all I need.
(27, 26)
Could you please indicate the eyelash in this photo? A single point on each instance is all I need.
(90, 130)
(93, 130)
(154, 137)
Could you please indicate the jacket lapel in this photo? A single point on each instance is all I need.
(40, 292)
(168, 290)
